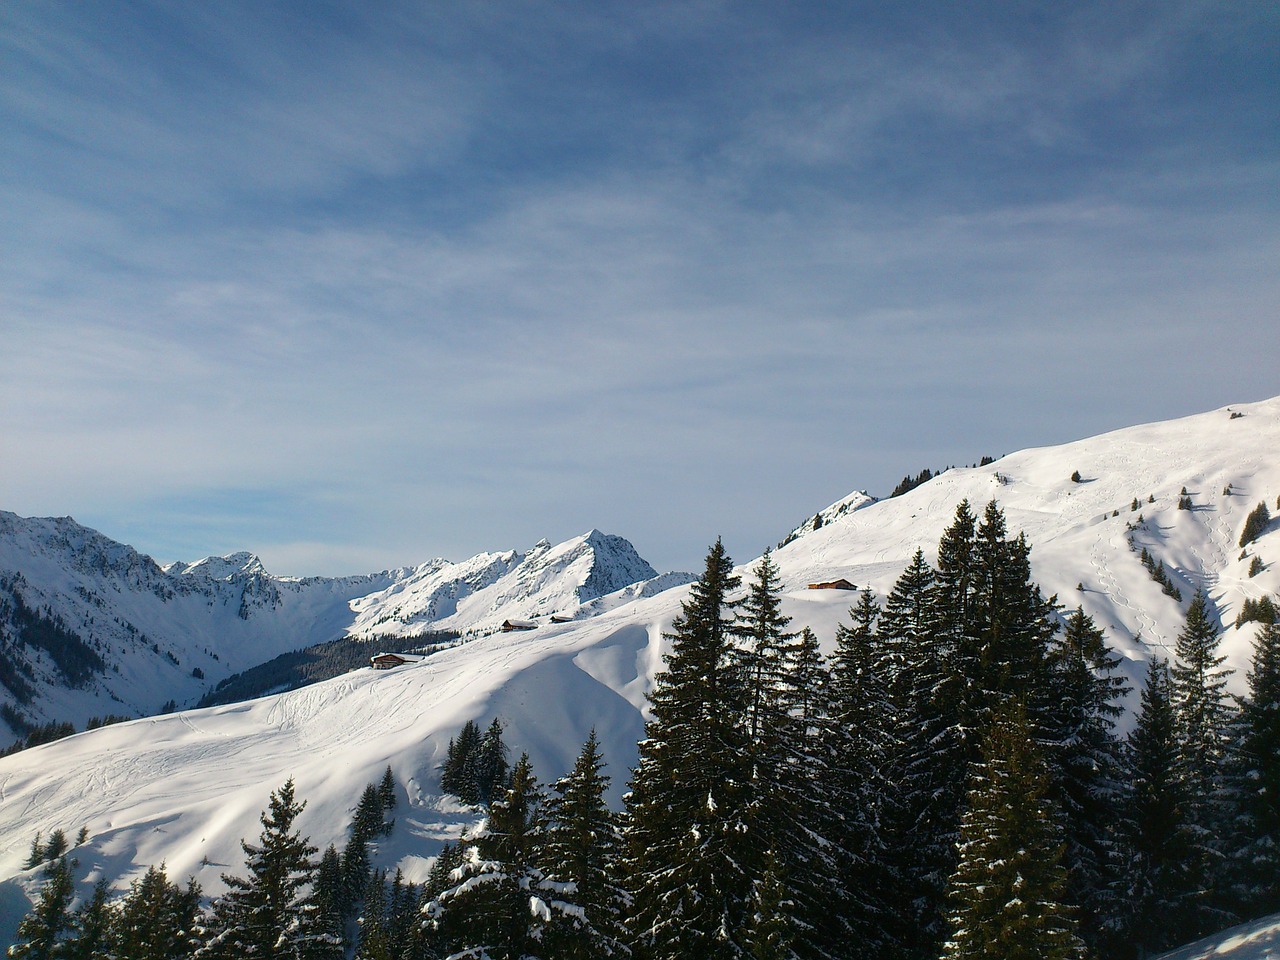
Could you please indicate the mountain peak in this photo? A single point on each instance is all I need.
(241, 563)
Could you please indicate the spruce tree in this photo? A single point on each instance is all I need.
(1160, 882)
(156, 919)
(1204, 713)
(857, 797)
(375, 941)
(1089, 769)
(1255, 784)
(327, 919)
(582, 850)
(387, 789)
(1200, 695)
(784, 674)
(367, 824)
(458, 774)
(1007, 894)
(42, 930)
(261, 915)
(687, 842)
(502, 903)
(92, 928)
(493, 771)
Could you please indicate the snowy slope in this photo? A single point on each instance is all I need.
(186, 787)
(172, 633)
(1257, 940)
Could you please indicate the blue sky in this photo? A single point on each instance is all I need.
(356, 285)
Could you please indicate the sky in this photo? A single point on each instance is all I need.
(355, 285)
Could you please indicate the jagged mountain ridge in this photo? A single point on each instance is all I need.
(184, 789)
(153, 634)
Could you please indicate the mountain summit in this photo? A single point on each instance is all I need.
(91, 627)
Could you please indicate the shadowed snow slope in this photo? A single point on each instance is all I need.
(1257, 940)
(185, 788)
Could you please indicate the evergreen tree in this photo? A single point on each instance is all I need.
(262, 915)
(582, 848)
(92, 928)
(1204, 714)
(402, 912)
(156, 919)
(326, 905)
(854, 802)
(57, 845)
(41, 931)
(493, 771)
(36, 856)
(367, 824)
(502, 904)
(784, 675)
(1200, 695)
(1007, 892)
(771, 932)
(687, 841)
(1089, 768)
(387, 790)
(375, 938)
(458, 775)
(1159, 883)
(1255, 784)
(921, 628)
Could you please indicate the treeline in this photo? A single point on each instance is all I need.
(48, 732)
(948, 784)
(322, 661)
(22, 626)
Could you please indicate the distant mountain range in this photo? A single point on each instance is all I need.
(185, 788)
(90, 627)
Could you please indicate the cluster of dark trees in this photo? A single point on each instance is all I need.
(476, 769)
(321, 661)
(23, 626)
(948, 784)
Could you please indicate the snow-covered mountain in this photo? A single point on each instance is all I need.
(91, 627)
(185, 788)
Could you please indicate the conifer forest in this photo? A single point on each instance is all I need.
(949, 782)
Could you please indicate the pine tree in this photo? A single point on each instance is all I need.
(502, 904)
(327, 920)
(1089, 768)
(1007, 892)
(57, 845)
(458, 775)
(857, 798)
(686, 838)
(582, 849)
(1200, 694)
(1255, 784)
(1159, 881)
(771, 932)
(156, 919)
(780, 749)
(262, 915)
(387, 790)
(367, 824)
(36, 856)
(1204, 714)
(92, 926)
(41, 931)
(375, 938)
(493, 771)
(402, 912)
(924, 766)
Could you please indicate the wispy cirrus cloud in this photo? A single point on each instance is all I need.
(424, 283)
